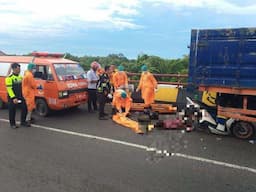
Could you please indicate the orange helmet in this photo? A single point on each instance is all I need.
(100, 70)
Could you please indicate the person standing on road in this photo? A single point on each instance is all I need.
(147, 85)
(103, 90)
(15, 99)
(92, 78)
(120, 79)
(28, 90)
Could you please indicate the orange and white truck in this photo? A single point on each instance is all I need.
(62, 82)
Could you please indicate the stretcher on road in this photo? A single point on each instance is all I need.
(121, 119)
(156, 107)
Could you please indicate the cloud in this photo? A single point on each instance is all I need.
(56, 18)
(219, 6)
(53, 16)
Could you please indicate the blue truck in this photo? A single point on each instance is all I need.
(223, 61)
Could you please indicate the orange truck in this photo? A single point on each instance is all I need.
(61, 82)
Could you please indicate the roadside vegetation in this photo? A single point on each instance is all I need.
(156, 64)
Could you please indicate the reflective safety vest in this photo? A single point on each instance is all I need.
(13, 86)
(103, 84)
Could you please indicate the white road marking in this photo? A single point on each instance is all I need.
(220, 163)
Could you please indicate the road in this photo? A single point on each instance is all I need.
(74, 151)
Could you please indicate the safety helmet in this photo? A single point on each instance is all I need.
(120, 68)
(144, 68)
(123, 95)
(31, 66)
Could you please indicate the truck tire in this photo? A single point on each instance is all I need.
(243, 130)
(42, 108)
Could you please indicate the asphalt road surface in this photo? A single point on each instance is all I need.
(72, 151)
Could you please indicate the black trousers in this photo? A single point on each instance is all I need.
(92, 99)
(12, 111)
(102, 99)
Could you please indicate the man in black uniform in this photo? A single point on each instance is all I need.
(103, 89)
(15, 98)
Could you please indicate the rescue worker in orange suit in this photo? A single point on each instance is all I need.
(121, 102)
(120, 79)
(15, 99)
(147, 85)
(103, 90)
(28, 90)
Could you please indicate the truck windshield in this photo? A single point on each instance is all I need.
(69, 71)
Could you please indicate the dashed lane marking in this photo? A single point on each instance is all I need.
(143, 147)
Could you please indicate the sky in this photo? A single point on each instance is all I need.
(102, 27)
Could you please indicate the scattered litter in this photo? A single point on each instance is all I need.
(188, 129)
(252, 141)
(218, 139)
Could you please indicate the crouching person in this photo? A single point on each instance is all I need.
(121, 102)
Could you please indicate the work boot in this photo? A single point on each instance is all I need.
(25, 124)
(103, 118)
(114, 111)
(14, 126)
(33, 120)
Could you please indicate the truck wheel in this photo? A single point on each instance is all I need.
(42, 108)
(243, 130)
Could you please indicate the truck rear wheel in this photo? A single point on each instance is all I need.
(42, 108)
(243, 130)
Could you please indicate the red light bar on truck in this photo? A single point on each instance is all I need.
(46, 54)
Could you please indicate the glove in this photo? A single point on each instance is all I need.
(110, 96)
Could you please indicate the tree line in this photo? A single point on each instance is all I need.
(155, 64)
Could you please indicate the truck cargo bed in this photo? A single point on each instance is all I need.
(223, 58)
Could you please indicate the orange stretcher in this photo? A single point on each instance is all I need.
(156, 107)
(126, 122)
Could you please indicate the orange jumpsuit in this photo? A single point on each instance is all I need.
(28, 90)
(120, 80)
(119, 102)
(147, 85)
